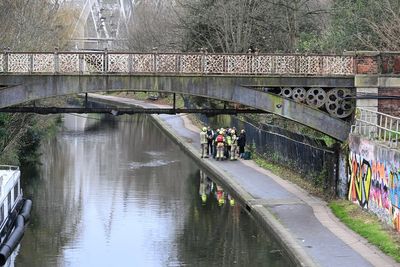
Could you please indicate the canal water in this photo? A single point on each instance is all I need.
(118, 192)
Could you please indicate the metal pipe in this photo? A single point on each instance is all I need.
(385, 130)
(174, 101)
(120, 111)
(397, 132)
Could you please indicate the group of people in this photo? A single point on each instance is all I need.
(222, 143)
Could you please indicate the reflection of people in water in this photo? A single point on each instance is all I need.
(231, 200)
(220, 195)
(205, 187)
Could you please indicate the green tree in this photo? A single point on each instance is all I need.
(363, 25)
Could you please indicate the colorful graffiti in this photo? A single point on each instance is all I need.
(375, 186)
(360, 179)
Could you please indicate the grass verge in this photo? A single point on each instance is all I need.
(360, 221)
(368, 226)
(288, 174)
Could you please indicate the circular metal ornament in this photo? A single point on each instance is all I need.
(299, 94)
(287, 92)
(337, 105)
(316, 97)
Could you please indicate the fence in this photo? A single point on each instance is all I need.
(377, 126)
(178, 63)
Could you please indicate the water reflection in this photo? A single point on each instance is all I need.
(218, 232)
(121, 193)
(207, 187)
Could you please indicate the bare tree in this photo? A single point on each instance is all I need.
(34, 24)
(236, 26)
(154, 26)
(288, 21)
(384, 23)
(221, 26)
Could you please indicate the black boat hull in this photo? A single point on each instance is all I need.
(18, 229)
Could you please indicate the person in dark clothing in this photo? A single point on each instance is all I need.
(241, 143)
(228, 143)
(210, 141)
(214, 141)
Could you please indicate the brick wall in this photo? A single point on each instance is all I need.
(390, 64)
(381, 63)
(386, 64)
(366, 64)
(389, 106)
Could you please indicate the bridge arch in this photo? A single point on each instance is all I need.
(227, 88)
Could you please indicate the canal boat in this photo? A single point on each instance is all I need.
(14, 213)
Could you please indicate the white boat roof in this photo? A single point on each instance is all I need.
(8, 176)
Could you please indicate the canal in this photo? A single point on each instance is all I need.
(118, 192)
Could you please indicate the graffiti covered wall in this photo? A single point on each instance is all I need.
(373, 179)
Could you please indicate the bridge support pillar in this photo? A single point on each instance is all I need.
(370, 104)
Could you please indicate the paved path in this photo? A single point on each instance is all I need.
(304, 222)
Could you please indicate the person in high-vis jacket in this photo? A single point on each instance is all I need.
(203, 142)
(220, 140)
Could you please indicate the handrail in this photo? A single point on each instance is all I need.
(377, 126)
(15, 172)
(9, 168)
(84, 62)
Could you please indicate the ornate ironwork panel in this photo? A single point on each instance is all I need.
(309, 64)
(93, 62)
(68, 63)
(190, 63)
(338, 65)
(166, 63)
(284, 64)
(43, 63)
(262, 64)
(214, 64)
(142, 63)
(118, 63)
(177, 63)
(19, 62)
(239, 63)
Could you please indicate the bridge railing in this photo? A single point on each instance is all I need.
(174, 63)
(377, 126)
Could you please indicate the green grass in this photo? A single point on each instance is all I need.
(368, 226)
(288, 174)
(363, 223)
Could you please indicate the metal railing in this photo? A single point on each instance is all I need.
(9, 168)
(377, 126)
(174, 63)
(14, 171)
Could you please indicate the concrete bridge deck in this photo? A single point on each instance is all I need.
(231, 88)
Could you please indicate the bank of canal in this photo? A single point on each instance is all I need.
(119, 192)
